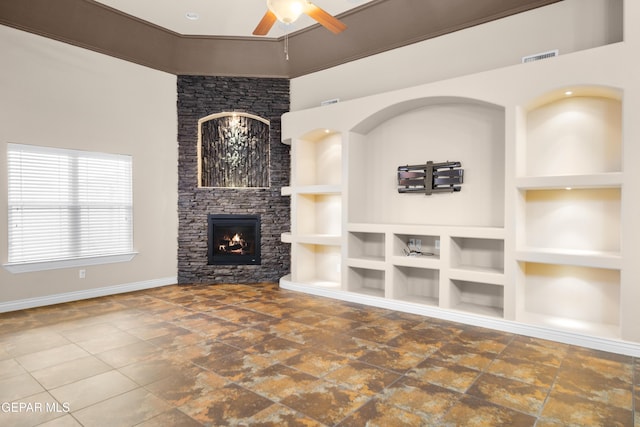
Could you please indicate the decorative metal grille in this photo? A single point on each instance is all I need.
(233, 151)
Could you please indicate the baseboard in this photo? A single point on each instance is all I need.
(597, 343)
(85, 294)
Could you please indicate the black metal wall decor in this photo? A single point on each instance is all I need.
(430, 178)
(233, 150)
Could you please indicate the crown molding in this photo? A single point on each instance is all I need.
(373, 28)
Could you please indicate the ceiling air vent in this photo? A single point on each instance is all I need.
(539, 56)
(330, 101)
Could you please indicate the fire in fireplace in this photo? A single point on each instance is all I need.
(233, 239)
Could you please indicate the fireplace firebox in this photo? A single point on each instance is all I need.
(233, 239)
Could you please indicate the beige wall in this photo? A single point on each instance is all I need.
(569, 26)
(59, 95)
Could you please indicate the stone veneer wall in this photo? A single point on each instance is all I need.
(200, 96)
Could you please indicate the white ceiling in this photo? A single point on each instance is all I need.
(235, 18)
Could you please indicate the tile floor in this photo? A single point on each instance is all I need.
(260, 356)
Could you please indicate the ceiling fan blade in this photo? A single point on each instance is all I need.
(265, 24)
(325, 19)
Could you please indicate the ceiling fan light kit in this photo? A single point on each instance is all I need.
(288, 11)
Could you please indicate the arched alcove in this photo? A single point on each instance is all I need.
(233, 151)
(437, 129)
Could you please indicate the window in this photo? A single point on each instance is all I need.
(67, 205)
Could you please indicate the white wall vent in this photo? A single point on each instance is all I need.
(539, 56)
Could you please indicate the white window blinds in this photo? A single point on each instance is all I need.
(67, 204)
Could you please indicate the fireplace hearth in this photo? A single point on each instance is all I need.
(233, 239)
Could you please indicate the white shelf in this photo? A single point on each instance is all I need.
(598, 180)
(286, 191)
(318, 239)
(494, 233)
(432, 262)
(314, 284)
(372, 292)
(571, 325)
(596, 259)
(368, 263)
(478, 274)
(321, 284)
(416, 299)
(367, 227)
(311, 189)
(482, 310)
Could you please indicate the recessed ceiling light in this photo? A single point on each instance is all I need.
(568, 93)
(192, 16)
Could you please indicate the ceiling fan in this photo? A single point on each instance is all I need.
(288, 11)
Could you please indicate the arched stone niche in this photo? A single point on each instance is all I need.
(233, 150)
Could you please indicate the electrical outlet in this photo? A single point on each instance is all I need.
(82, 273)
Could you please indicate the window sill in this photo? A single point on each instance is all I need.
(27, 267)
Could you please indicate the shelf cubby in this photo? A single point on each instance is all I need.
(317, 159)
(366, 281)
(474, 254)
(575, 298)
(428, 244)
(478, 298)
(574, 135)
(317, 265)
(417, 285)
(318, 214)
(366, 246)
(576, 219)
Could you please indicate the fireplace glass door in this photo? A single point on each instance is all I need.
(233, 239)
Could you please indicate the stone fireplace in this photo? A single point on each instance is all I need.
(200, 97)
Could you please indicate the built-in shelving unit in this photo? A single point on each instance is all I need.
(540, 240)
(316, 203)
(570, 196)
(459, 268)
